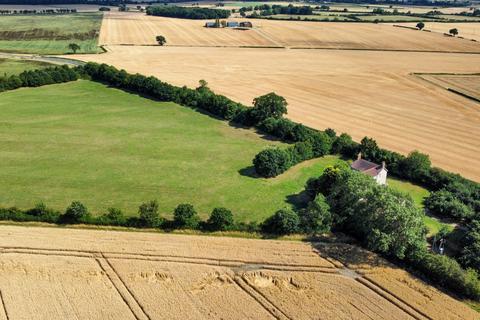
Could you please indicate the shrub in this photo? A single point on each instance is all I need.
(113, 216)
(415, 165)
(447, 272)
(221, 219)
(470, 254)
(321, 144)
(272, 162)
(185, 216)
(445, 204)
(76, 212)
(284, 221)
(148, 212)
(301, 151)
(344, 145)
(316, 218)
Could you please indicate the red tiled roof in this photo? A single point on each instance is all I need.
(367, 167)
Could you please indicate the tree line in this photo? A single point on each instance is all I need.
(388, 222)
(187, 13)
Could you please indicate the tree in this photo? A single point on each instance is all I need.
(453, 31)
(269, 105)
(161, 40)
(185, 216)
(74, 47)
(75, 212)
(420, 25)
(470, 255)
(272, 162)
(316, 218)
(220, 219)
(446, 204)
(115, 216)
(415, 165)
(284, 221)
(148, 212)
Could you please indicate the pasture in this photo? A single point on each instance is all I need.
(50, 34)
(10, 67)
(55, 273)
(62, 143)
(363, 93)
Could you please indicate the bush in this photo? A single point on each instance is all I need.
(284, 221)
(272, 162)
(185, 216)
(301, 151)
(444, 203)
(344, 145)
(221, 219)
(321, 144)
(44, 213)
(316, 218)
(75, 213)
(415, 166)
(149, 216)
(447, 272)
(470, 254)
(113, 216)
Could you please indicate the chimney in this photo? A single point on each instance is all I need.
(359, 156)
(383, 165)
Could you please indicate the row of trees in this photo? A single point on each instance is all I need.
(388, 222)
(43, 11)
(40, 77)
(187, 13)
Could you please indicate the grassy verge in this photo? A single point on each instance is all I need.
(10, 67)
(50, 34)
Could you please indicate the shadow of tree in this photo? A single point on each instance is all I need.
(249, 172)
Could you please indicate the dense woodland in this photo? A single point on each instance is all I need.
(187, 13)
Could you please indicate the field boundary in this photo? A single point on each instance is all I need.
(4, 307)
(452, 90)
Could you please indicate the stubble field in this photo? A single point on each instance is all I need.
(134, 28)
(470, 30)
(62, 273)
(363, 93)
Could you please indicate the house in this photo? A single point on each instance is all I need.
(376, 171)
(232, 24)
(245, 24)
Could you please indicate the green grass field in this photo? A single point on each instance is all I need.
(50, 34)
(15, 66)
(105, 147)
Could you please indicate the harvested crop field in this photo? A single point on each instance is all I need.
(139, 29)
(363, 93)
(470, 30)
(71, 273)
(466, 84)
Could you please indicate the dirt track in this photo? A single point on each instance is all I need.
(48, 273)
(363, 93)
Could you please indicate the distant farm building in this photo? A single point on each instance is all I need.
(246, 24)
(229, 24)
(376, 171)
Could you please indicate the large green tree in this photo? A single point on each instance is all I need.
(269, 105)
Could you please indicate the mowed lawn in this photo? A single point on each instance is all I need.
(50, 34)
(108, 148)
(10, 67)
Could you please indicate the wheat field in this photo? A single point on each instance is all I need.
(55, 273)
